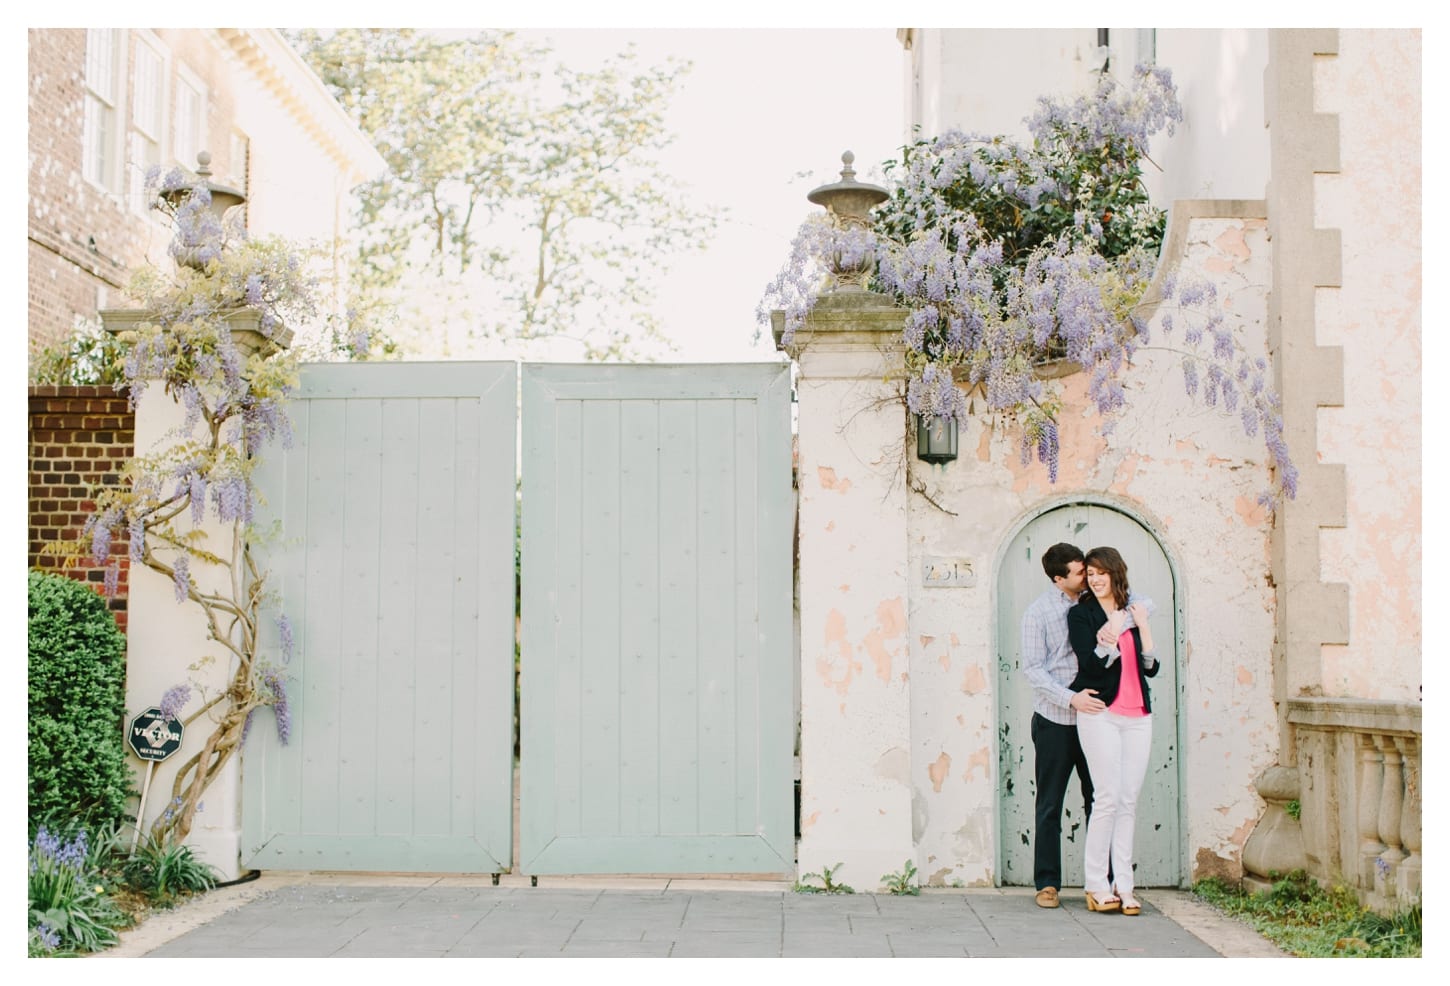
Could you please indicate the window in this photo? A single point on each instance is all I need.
(189, 127)
(148, 115)
(100, 135)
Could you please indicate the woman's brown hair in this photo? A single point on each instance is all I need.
(1108, 560)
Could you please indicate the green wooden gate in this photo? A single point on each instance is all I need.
(656, 693)
(1158, 845)
(393, 562)
(656, 621)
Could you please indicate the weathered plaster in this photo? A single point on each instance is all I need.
(1159, 461)
(856, 762)
(1372, 85)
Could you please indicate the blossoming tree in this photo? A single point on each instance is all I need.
(1008, 256)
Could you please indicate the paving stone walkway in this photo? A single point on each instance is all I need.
(320, 915)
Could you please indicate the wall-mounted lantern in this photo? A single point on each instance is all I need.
(936, 438)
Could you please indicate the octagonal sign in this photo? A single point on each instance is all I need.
(154, 736)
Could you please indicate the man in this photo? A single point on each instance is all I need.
(1049, 665)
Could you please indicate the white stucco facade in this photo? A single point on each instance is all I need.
(1300, 647)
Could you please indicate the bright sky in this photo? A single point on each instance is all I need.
(761, 119)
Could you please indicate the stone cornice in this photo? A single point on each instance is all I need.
(289, 80)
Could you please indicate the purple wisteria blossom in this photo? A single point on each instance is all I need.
(1007, 255)
(181, 577)
(174, 700)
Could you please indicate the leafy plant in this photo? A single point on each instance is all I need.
(828, 882)
(164, 871)
(90, 355)
(1292, 809)
(77, 756)
(70, 909)
(1006, 255)
(903, 883)
(1302, 917)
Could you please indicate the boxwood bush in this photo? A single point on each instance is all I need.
(77, 704)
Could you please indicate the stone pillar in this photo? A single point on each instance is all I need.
(1407, 883)
(855, 702)
(1370, 781)
(168, 643)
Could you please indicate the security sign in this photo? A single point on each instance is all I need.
(153, 736)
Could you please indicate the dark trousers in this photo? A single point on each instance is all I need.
(1058, 753)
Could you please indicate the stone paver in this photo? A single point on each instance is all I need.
(321, 915)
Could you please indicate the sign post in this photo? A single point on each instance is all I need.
(153, 737)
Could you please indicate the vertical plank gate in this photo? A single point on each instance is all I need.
(656, 624)
(656, 621)
(393, 557)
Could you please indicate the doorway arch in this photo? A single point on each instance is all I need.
(1020, 579)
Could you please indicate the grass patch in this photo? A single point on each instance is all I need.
(1307, 920)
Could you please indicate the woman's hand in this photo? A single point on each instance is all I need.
(1140, 617)
(1116, 623)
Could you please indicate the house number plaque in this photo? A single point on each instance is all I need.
(947, 572)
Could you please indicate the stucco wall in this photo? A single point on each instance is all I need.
(1190, 473)
(1374, 200)
(1220, 150)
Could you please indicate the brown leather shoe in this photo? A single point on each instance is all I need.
(1047, 897)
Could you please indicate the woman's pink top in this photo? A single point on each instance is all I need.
(1129, 700)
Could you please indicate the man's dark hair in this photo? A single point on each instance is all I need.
(1056, 559)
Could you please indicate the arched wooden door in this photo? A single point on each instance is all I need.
(1020, 580)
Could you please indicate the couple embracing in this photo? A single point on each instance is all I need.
(1087, 655)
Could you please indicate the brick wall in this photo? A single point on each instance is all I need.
(84, 239)
(78, 437)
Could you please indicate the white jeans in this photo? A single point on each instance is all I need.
(1116, 748)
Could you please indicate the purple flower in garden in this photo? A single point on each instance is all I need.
(49, 938)
(284, 633)
(136, 538)
(233, 498)
(99, 528)
(174, 700)
(181, 576)
(277, 685)
(110, 582)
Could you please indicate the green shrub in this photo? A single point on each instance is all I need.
(162, 872)
(77, 704)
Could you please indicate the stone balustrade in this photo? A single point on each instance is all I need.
(1360, 783)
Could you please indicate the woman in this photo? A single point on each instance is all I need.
(1114, 648)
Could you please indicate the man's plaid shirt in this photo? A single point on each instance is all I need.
(1047, 657)
(1048, 661)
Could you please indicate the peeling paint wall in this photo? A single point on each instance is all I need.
(891, 666)
(1374, 200)
(1191, 470)
(855, 747)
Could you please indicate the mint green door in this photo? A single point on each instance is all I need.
(1158, 847)
(656, 716)
(389, 526)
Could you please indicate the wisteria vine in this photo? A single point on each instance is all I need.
(1007, 256)
(234, 400)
